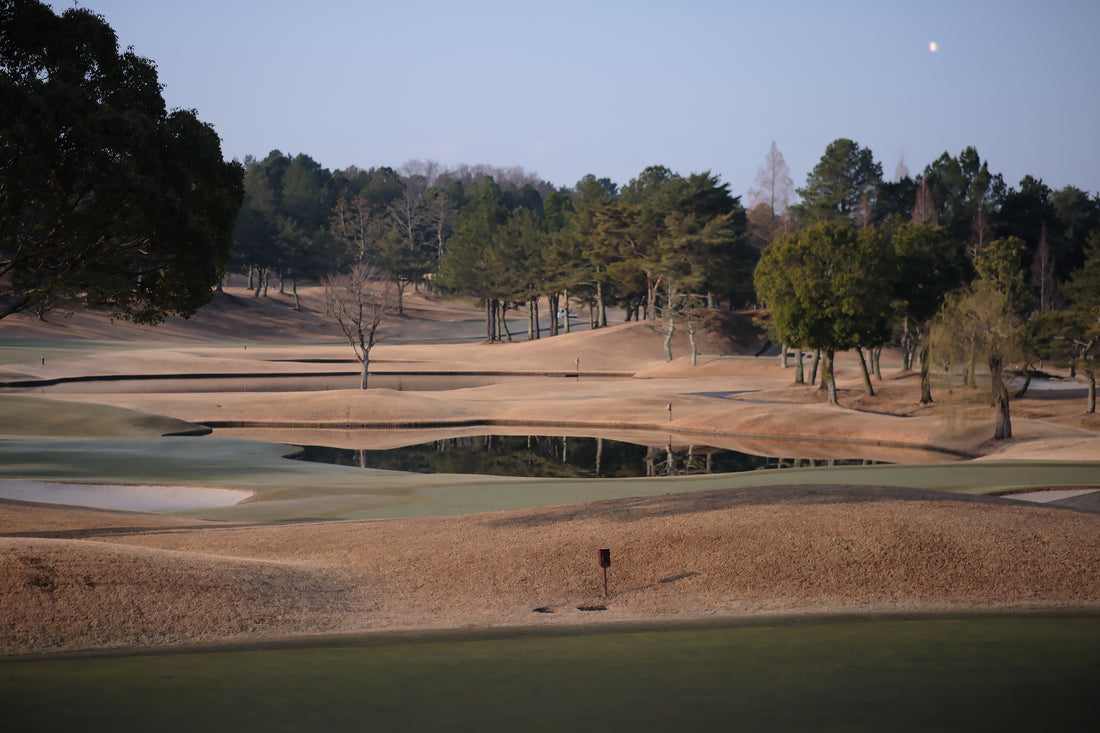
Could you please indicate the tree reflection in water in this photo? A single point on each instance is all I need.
(556, 457)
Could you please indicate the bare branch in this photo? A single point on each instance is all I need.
(359, 301)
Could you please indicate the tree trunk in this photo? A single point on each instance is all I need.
(925, 376)
(864, 373)
(799, 368)
(294, 289)
(668, 339)
(814, 365)
(490, 320)
(552, 303)
(532, 324)
(876, 362)
(783, 356)
(1027, 381)
(565, 300)
(364, 367)
(1091, 403)
(828, 376)
(1003, 430)
(691, 340)
(601, 320)
(906, 346)
(503, 310)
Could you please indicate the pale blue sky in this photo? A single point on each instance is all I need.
(565, 88)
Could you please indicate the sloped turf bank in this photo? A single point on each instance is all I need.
(917, 674)
(79, 579)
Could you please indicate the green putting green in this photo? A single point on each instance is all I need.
(976, 673)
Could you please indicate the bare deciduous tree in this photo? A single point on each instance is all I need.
(359, 301)
(925, 207)
(358, 224)
(441, 214)
(769, 197)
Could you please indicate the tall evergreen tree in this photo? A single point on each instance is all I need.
(966, 194)
(841, 186)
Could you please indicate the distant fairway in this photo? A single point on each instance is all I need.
(974, 673)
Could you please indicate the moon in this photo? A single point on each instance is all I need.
(933, 46)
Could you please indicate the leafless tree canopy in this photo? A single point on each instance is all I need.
(359, 301)
(769, 197)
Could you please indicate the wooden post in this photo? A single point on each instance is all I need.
(605, 563)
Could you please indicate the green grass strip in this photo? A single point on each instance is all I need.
(978, 673)
(288, 489)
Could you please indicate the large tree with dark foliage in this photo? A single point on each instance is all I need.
(828, 288)
(107, 199)
(841, 187)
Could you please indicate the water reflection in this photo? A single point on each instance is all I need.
(557, 457)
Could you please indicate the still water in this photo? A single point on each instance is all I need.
(556, 457)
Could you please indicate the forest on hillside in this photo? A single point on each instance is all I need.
(850, 259)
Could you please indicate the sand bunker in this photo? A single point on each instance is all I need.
(1050, 495)
(115, 496)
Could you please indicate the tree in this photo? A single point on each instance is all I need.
(517, 255)
(107, 200)
(977, 323)
(357, 225)
(405, 263)
(841, 186)
(966, 195)
(929, 265)
(635, 224)
(1077, 217)
(828, 288)
(581, 230)
(405, 256)
(665, 226)
(769, 198)
(467, 265)
(1070, 338)
(1082, 322)
(359, 301)
(1000, 263)
(440, 216)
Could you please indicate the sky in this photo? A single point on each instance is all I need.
(567, 88)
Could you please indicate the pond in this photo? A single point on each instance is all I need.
(557, 457)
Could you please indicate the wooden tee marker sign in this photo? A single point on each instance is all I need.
(605, 563)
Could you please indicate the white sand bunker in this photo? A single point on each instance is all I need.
(115, 496)
(1049, 495)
